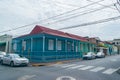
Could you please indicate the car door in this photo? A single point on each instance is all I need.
(7, 59)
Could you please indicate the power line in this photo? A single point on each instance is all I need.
(98, 9)
(61, 19)
(80, 9)
(102, 4)
(52, 17)
(118, 1)
(117, 7)
(66, 4)
(73, 10)
(92, 23)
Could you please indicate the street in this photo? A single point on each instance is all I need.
(97, 69)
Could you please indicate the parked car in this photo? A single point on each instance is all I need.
(89, 55)
(2, 54)
(14, 60)
(100, 55)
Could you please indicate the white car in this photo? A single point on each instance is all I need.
(14, 60)
(100, 55)
(89, 55)
(2, 54)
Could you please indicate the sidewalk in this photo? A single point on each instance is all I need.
(51, 63)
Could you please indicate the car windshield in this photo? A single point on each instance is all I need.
(99, 53)
(90, 53)
(16, 56)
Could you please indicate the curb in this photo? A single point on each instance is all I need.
(51, 63)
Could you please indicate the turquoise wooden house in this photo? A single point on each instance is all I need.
(46, 45)
(86, 47)
(112, 49)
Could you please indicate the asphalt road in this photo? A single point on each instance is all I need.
(98, 69)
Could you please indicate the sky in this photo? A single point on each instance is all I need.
(17, 13)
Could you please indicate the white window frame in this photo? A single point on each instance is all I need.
(68, 46)
(50, 44)
(15, 46)
(24, 45)
(76, 48)
(73, 46)
(59, 45)
(81, 46)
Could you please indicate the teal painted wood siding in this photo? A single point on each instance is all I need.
(38, 49)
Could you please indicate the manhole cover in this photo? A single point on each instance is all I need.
(65, 78)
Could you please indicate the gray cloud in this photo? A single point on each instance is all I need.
(15, 13)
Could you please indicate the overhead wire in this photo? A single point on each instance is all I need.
(118, 1)
(102, 4)
(69, 17)
(98, 9)
(67, 4)
(52, 17)
(95, 22)
(117, 8)
(91, 23)
(80, 8)
(85, 24)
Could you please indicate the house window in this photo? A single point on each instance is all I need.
(15, 46)
(59, 45)
(81, 47)
(73, 46)
(24, 45)
(68, 46)
(51, 45)
(76, 48)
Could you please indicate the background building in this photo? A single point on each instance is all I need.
(116, 42)
(5, 43)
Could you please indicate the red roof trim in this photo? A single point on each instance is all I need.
(40, 29)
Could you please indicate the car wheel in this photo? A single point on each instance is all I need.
(95, 57)
(12, 64)
(27, 64)
(91, 58)
(86, 58)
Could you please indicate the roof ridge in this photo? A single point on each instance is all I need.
(41, 29)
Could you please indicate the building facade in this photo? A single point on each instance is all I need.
(46, 45)
(5, 43)
(116, 47)
(116, 42)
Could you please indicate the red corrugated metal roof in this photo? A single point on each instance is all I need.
(77, 37)
(40, 29)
